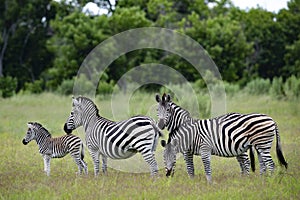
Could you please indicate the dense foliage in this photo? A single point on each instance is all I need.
(43, 43)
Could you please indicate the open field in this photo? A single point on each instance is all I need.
(21, 167)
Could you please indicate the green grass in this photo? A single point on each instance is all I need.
(21, 167)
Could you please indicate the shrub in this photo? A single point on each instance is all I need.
(276, 89)
(8, 86)
(105, 88)
(36, 87)
(231, 88)
(66, 87)
(292, 87)
(258, 86)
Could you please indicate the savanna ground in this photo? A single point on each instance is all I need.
(21, 167)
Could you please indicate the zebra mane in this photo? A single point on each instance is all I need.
(40, 127)
(184, 110)
(80, 98)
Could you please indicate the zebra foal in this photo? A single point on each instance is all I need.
(115, 140)
(55, 147)
(229, 135)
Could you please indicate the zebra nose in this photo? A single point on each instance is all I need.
(168, 172)
(24, 142)
(161, 124)
(67, 131)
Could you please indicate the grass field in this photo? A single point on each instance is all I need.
(21, 167)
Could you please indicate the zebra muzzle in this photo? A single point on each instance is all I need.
(168, 172)
(161, 124)
(24, 142)
(67, 131)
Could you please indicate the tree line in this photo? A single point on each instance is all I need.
(44, 42)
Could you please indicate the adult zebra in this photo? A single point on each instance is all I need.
(55, 147)
(229, 135)
(116, 140)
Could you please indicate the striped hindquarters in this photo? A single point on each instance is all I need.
(232, 134)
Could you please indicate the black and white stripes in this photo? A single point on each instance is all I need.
(116, 140)
(229, 135)
(55, 147)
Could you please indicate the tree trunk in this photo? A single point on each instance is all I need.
(5, 36)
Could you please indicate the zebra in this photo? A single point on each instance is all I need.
(229, 135)
(55, 147)
(115, 140)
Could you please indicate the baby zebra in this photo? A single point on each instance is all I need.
(55, 147)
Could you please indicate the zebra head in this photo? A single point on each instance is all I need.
(31, 133)
(169, 156)
(75, 119)
(163, 110)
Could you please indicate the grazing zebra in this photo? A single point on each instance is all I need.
(229, 135)
(116, 140)
(55, 147)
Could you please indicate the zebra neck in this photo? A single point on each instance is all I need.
(179, 117)
(42, 137)
(95, 119)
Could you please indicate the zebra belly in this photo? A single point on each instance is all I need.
(232, 150)
(58, 155)
(118, 153)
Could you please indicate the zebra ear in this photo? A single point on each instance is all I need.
(157, 97)
(75, 101)
(30, 125)
(163, 143)
(168, 98)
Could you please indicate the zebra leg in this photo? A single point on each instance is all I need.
(47, 159)
(244, 163)
(262, 165)
(95, 157)
(188, 157)
(78, 161)
(104, 164)
(150, 159)
(84, 165)
(205, 156)
(267, 159)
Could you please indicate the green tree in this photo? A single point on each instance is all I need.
(268, 41)
(292, 59)
(289, 20)
(223, 38)
(75, 36)
(24, 27)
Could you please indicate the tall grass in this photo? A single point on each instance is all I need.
(21, 167)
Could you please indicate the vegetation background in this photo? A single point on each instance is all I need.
(43, 43)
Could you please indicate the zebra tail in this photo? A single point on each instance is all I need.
(280, 156)
(82, 151)
(252, 159)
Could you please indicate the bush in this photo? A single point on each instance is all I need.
(8, 86)
(231, 88)
(35, 88)
(292, 88)
(258, 86)
(276, 89)
(105, 88)
(84, 86)
(66, 87)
